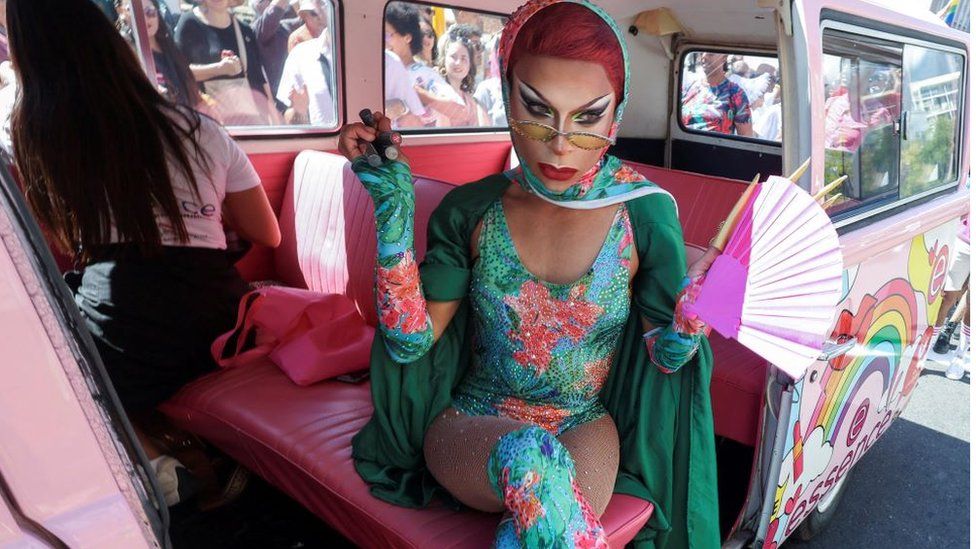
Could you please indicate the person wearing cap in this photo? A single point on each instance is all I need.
(312, 14)
(276, 20)
(307, 86)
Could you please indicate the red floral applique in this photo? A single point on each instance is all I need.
(402, 305)
(543, 320)
(522, 501)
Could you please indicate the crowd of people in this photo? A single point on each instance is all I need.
(267, 62)
(724, 94)
(447, 81)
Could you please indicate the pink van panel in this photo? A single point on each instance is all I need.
(59, 462)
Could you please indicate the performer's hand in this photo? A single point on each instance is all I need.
(700, 267)
(354, 137)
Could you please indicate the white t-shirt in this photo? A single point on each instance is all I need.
(304, 66)
(399, 85)
(230, 171)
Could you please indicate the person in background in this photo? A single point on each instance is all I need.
(307, 85)
(956, 284)
(173, 77)
(404, 38)
(402, 106)
(139, 189)
(714, 103)
(314, 20)
(216, 45)
(428, 53)
(472, 34)
(455, 63)
(275, 22)
(767, 110)
(489, 91)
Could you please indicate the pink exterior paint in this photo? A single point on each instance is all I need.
(895, 271)
(57, 456)
(840, 409)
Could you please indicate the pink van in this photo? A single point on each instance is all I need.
(862, 90)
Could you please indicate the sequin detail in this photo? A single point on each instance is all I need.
(542, 351)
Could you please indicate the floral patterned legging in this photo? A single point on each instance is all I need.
(551, 489)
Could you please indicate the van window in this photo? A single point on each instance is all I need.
(440, 67)
(930, 147)
(730, 94)
(862, 90)
(257, 63)
(891, 119)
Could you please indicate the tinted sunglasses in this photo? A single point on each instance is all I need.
(545, 133)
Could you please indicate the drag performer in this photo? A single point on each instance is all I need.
(539, 358)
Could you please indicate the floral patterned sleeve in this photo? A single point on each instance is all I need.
(404, 324)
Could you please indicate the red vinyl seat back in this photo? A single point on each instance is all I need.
(328, 232)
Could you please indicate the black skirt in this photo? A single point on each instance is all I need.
(153, 319)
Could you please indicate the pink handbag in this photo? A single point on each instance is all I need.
(309, 335)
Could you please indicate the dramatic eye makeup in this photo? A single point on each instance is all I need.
(590, 113)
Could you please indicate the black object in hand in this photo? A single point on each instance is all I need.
(385, 144)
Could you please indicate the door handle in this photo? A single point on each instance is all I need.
(833, 349)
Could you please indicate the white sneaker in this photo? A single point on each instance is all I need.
(938, 357)
(957, 368)
(165, 468)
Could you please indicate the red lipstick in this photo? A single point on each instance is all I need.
(556, 174)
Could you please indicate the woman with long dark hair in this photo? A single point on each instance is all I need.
(173, 76)
(138, 188)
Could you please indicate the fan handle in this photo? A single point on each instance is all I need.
(727, 226)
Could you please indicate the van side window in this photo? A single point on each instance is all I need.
(258, 63)
(930, 146)
(862, 90)
(727, 93)
(440, 67)
(891, 121)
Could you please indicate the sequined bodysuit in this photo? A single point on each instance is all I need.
(542, 351)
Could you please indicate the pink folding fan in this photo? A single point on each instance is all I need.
(776, 284)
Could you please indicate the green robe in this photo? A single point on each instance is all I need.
(667, 453)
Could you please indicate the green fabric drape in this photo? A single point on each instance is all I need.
(665, 420)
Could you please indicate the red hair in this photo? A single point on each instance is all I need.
(571, 31)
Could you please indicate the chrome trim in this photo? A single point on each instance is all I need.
(833, 349)
(775, 464)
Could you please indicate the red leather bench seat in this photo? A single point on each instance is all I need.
(298, 439)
